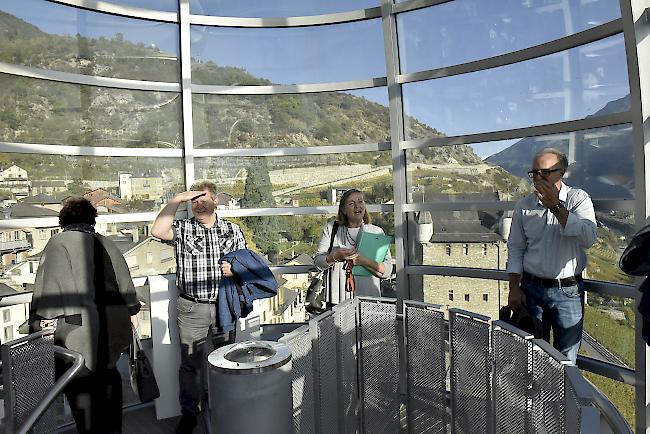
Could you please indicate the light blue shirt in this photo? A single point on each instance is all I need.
(539, 245)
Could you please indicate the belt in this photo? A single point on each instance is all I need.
(552, 283)
(196, 300)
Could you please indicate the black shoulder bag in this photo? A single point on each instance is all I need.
(315, 299)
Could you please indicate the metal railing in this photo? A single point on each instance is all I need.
(364, 367)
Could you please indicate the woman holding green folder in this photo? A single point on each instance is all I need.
(339, 280)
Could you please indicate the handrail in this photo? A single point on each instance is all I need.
(614, 419)
(77, 362)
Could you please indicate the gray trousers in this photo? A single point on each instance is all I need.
(196, 323)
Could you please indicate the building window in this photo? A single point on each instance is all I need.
(451, 295)
(485, 249)
(9, 333)
(31, 267)
(466, 249)
(6, 315)
(448, 249)
(149, 258)
(486, 297)
(466, 297)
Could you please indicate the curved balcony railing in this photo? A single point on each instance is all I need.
(365, 367)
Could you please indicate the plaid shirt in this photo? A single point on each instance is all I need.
(198, 250)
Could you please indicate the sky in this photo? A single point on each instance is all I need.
(555, 88)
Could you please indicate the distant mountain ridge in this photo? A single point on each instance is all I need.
(604, 166)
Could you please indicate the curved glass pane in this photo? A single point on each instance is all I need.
(40, 111)
(332, 118)
(276, 8)
(437, 36)
(62, 38)
(303, 180)
(113, 184)
(601, 163)
(321, 54)
(573, 84)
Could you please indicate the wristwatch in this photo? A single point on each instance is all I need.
(555, 209)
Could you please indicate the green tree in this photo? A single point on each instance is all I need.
(258, 193)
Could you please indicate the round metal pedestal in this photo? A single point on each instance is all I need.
(250, 388)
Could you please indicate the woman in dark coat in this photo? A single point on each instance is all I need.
(83, 283)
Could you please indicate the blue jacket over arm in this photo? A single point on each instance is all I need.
(256, 281)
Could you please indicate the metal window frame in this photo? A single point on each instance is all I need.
(633, 24)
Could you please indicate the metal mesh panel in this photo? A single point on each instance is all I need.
(512, 379)
(547, 394)
(573, 409)
(32, 373)
(470, 375)
(346, 324)
(327, 374)
(302, 380)
(426, 374)
(379, 367)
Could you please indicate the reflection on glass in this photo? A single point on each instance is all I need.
(480, 296)
(332, 118)
(573, 84)
(259, 182)
(609, 331)
(456, 173)
(113, 184)
(615, 230)
(276, 8)
(600, 163)
(437, 36)
(40, 111)
(104, 45)
(258, 56)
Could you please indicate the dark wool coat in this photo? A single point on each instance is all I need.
(84, 281)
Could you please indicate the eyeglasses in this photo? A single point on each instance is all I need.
(542, 172)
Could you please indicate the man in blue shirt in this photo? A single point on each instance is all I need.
(551, 230)
(200, 242)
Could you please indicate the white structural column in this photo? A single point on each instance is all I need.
(166, 348)
(186, 90)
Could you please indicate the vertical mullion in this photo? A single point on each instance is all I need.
(186, 90)
(391, 50)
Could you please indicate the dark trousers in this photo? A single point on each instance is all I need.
(95, 400)
(196, 323)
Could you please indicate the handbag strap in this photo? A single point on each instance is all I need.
(335, 229)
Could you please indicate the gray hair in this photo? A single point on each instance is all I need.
(561, 156)
(205, 185)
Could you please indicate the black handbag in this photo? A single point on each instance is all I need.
(143, 380)
(315, 298)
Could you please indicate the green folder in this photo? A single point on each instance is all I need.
(372, 246)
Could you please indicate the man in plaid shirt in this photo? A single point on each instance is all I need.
(200, 242)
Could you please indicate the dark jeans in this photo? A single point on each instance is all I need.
(95, 400)
(560, 309)
(196, 322)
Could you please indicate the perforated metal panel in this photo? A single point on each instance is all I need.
(345, 315)
(379, 366)
(547, 393)
(470, 373)
(512, 355)
(425, 334)
(302, 380)
(28, 367)
(327, 391)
